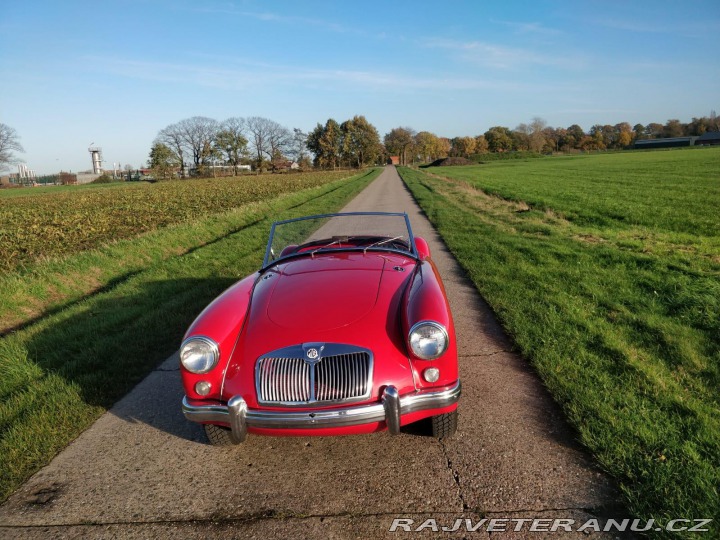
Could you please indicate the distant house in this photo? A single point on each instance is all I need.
(285, 165)
(672, 142)
(710, 138)
(394, 160)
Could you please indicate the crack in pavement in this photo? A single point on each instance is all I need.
(455, 474)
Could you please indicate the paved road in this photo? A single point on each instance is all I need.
(142, 471)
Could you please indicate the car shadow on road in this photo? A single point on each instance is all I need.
(100, 350)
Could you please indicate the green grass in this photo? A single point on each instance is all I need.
(65, 369)
(605, 270)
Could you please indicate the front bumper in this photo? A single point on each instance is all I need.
(389, 410)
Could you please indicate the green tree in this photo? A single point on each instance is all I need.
(552, 139)
(400, 142)
(598, 140)
(577, 134)
(673, 128)
(326, 143)
(499, 139)
(521, 137)
(638, 131)
(163, 161)
(427, 146)
(654, 130)
(360, 142)
(231, 142)
(481, 145)
(698, 126)
(297, 148)
(462, 146)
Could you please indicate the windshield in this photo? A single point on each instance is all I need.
(362, 231)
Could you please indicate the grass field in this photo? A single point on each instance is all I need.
(605, 270)
(68, 364)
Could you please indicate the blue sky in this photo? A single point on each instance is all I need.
(116, 72)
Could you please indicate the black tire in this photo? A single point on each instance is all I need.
(218, 436)
(444, 425)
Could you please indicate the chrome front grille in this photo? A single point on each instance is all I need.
(284, 379)
(339, 373)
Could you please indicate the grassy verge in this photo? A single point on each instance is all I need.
(61, 372)
(616, 305)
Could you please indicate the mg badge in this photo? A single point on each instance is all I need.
(313, 352)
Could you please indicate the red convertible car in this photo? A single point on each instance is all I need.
(345, 329)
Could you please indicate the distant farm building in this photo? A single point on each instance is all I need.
(672, 142)
(710, 138)
(394, 160)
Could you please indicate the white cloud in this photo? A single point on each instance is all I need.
(501, 57)
(246, 74)
(692, 29)
(268, 16)
(529, 28)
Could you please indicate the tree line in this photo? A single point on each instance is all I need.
(199, 144)
(537, 136)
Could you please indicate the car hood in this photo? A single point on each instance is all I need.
(325, 293)
(351, 298)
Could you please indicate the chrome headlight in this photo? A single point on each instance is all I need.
(199, 354)
(428, 340)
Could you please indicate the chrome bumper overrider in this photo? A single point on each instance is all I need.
(389, 410)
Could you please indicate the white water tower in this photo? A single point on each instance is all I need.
(96, 155)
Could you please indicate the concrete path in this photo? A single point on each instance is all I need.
(142, 471)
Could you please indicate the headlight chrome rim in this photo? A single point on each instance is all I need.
(213, 351)
(435, 325)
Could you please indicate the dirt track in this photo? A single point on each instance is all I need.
(143, 471)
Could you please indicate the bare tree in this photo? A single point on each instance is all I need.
(172, 137)
(267, 137)
(9, 143)
(258, 130)
(279, 140)
(537, 137)
(198, 134)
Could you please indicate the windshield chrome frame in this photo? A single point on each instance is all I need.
(413, 250)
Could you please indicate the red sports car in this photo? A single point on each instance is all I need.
(345, 329)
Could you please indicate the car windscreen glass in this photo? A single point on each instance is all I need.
(361, 231)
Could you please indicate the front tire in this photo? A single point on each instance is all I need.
(218, 436)
(444, 425)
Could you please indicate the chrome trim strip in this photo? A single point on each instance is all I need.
(239, 417)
